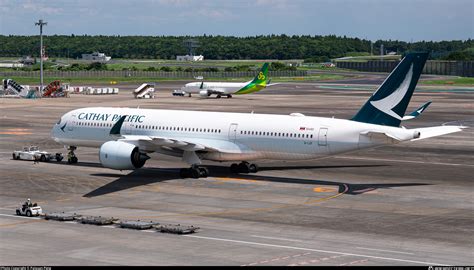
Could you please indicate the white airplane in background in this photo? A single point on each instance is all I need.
(125, 135)
(206, 89)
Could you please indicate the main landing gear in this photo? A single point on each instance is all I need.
(194, 172)
(244, 167)
(71, 157)
(228, 96)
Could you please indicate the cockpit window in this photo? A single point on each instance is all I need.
(59, 122)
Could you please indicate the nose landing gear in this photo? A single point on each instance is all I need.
(71, 157)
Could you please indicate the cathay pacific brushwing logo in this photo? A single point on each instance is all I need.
(387, 104)
(62, 128)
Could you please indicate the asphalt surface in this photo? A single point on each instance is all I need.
(409, 204)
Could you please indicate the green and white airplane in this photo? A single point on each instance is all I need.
(206, 89)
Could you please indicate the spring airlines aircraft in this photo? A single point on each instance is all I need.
(125, 136)
(227, 88)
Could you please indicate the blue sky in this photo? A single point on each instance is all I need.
(408, 20)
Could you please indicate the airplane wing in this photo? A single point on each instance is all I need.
(151, 143)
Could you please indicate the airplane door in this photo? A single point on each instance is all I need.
(233, 131)
(71, 123)
(323, 137)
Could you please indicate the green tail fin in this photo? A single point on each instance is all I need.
(262, 76)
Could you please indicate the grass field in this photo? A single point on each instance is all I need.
(35, 80)
(457, 81)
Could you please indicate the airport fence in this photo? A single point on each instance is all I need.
(147, 74)
(454, 68)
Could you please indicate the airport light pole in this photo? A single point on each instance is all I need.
(41, 23)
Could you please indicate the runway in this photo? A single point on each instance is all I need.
(408, 204)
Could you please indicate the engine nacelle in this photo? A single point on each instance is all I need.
(121, 156)
(204, 93)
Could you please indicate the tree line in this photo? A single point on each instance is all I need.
(283, 47)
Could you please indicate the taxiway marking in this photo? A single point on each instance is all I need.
(234, 179)
(323, 189)
(21, 222)
(314, 250)
(276, 238)
(346, 188)
(385, 250)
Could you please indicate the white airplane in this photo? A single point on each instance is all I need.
(125, 135)
(226, 88)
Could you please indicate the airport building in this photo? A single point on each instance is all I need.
(96, 56)
(188, 57)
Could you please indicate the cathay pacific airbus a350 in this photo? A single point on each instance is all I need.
(125, 136)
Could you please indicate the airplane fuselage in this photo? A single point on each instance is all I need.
(247, 136)
(224, 87)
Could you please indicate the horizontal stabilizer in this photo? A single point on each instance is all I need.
(379, 135)
(437, 131)
(416, 112)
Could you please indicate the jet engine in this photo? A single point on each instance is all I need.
(204, 93)
(121, 156)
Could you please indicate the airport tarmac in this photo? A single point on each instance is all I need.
(409, 204)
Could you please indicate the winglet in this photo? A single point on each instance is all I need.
(115, 130)
(416, 112)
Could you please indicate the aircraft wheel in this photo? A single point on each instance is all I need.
(218, 96)
(195, 173)
(203, 172)
(234, 168)
(244, 167)
(229, 96)
(253, 168)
